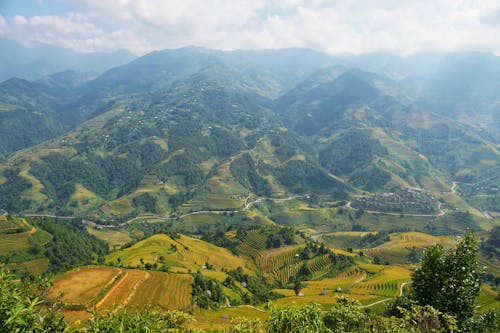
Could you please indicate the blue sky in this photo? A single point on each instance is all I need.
(334, 26)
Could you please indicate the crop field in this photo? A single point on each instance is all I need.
(170, 291)
(279, 264)
(296, 217)
(221, 318)
(15, 242)
(81, 285)
(184, 252)
(344, 281)
(400, 245)
(324, 300)
(112, 237)
(385, 283)
(488, 299)
(256, 240)
(122, 292)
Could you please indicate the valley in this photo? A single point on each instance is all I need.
(214, 182)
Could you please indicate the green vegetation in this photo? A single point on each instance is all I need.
(71, 244)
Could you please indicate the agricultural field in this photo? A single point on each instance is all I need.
(398, 249)
(169, 291)
(185, 252)
(115, 238)
(122, 292)
(35, 266)
(387, 282)
(82, 285)
(16, 241)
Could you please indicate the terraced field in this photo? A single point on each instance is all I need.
(122, 292)
(185, 252)
(112, 237)
(170, 291)
(344, 281)
(400, 244)
(15, 242)
(82, 285)
(387, 282)
(280, 264)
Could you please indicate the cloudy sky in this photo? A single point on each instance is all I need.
(334, 26)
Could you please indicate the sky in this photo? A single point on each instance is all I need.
(335, 26)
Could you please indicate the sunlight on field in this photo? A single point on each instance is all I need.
(81, 285)
(185, 252)
(112, 237)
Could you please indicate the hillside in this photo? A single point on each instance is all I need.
(193, 130)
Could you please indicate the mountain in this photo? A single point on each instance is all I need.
(197, 129)
(278, 69)
(36, 60)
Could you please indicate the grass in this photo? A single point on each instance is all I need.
(81, 285)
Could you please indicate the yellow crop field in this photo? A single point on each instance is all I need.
(344, 280)
(15, 242)
(188, 252)
(386, 283)
(400, 245)
(122, 292)
(112, 237)
(81, 285)
(35, 267)
(170, 291)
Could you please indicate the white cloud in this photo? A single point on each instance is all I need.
(332, 26)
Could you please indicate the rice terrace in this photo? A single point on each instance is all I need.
(250, 166)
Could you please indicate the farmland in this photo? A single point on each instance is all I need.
(169, 291)
(184, 253)
(82, 285)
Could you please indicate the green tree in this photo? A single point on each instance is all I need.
(294, 319)
(22, 310)
(449, 280)
(135, 320)
(345, 316)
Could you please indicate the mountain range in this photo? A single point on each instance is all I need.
(197, 129)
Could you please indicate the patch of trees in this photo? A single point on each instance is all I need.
(371, 178)
(71, 245)
(147, 201)
(350, 151)
(491, 246)
(285, 236)
(449, 281)
(244, 171)
(207, 293)
(260, 290)
(11, 190)
(303, 176)
(184, 165)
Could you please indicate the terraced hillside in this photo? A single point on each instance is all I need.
(179, 254)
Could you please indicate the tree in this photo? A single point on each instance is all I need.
(345, 316)
(22, 310)
(449, 280)
(294, 319)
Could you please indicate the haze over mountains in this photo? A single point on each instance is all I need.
(194, 125)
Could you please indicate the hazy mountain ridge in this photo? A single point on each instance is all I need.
(172, 122)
